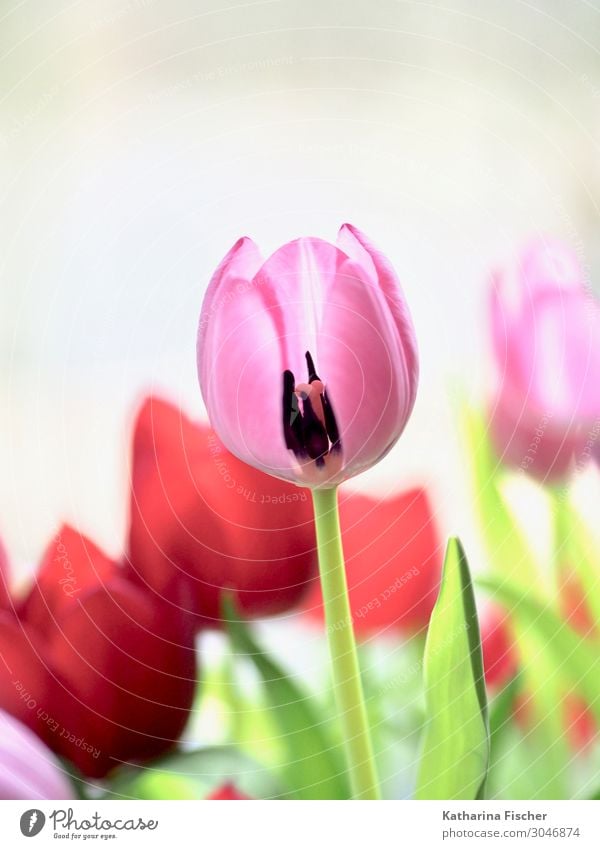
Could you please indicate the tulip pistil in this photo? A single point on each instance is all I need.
(309, 424)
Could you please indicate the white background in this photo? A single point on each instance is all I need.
(139, 139)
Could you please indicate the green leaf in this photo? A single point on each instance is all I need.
(577, 552)
(312, 767)
(507, 547)
(575, 661)
(502, 708)
(194, 775)
(455, 755)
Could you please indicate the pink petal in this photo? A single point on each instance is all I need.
(550, 263)
(348, 311)
(295, 283)
(28, 769)
(236, 268)
(240, 363)
(333, 306)
(368, 353)
(559, 355)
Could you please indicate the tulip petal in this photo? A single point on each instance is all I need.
(227, 792)
(5, 598)
(368, 354)
(240, 364)
(558, 355)
(348, 311)
(130, 678)
(500, 658)
(202, 522)
(234, 272)
(549, 263)
(71, 566)
(26, 679)
(28, 770)
(393, 554)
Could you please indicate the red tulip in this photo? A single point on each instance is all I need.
(393, 561)
(4, 579)
(580, 723)
(203, 522)
(100, 670)
(228, 792)
(573, 604)
(500, 660)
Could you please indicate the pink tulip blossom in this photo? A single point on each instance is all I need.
(307, 361)
(28, 770)
(546, 338)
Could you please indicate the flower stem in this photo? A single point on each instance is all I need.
(342, 647)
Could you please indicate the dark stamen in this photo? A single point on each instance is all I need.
(292, 420)
(304, 432)
(315, 436)
(330, 422)
(312, 372)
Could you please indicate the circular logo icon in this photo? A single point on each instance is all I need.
(32, 822)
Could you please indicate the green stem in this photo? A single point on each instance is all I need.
(342, 647)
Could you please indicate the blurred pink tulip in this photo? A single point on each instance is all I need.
(28, 770)
(308, 362)
(546, 338)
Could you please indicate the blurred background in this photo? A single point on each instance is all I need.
(139, 139)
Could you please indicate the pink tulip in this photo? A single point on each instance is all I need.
(546, 337)
(28, 770)
(308, 362)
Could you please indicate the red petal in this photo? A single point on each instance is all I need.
(5, 599)
(393, 561)
(71, 566)
(202, 521)
(580, 724)
(228, 792)
(26, 680)
(573, 604)
(130, 677)
(499, 655)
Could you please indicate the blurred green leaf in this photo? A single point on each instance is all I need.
(502, 708)
(541, 773)
(542, 686)
(313, 767)
(194, 775)
(558, 647)
(455, 754)
(506, 545)
(576, 552)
